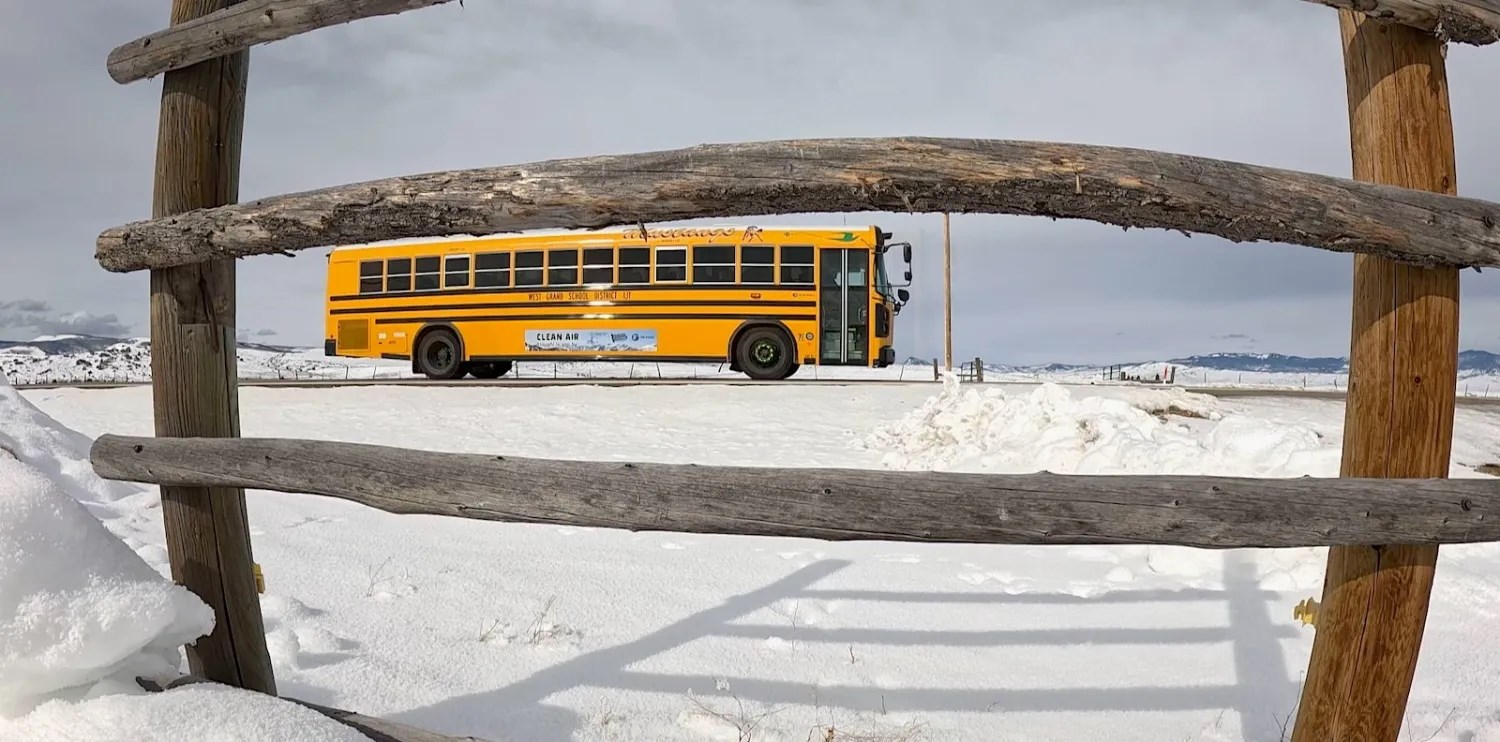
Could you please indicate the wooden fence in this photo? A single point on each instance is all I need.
(1383, 518)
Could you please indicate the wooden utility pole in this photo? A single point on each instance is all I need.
(193, 366)
(947, 294)
(1403, 367)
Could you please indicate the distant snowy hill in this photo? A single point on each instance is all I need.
(68, 358)
(1470, 363)
(1266, 362)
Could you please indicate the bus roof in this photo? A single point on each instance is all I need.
(656, 234)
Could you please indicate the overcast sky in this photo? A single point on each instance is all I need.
(510, 81)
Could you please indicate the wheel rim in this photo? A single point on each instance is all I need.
(440, 356)
(765, 353)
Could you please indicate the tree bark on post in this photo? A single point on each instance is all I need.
(193, 364)
(1403, 367)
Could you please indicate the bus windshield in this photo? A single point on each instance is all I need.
(882, 280)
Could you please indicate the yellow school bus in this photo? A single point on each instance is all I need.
(765, 300)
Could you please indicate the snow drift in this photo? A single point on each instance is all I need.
(81, 612)
(82, 615)
(1149, 431)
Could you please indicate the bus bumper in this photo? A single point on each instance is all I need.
(887, 357)
(330, 347)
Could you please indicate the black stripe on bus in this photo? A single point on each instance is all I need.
(590, 316)
(535, 304)
(581, 287)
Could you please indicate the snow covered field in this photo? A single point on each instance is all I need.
(522, 632)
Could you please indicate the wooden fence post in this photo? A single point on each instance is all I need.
(1403, 366)
(947, 294)
(193, 364)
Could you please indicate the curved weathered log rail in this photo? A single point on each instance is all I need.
(1475, 22)
(1115, 185)
(829, 504)
(237, 28)
(252, 22)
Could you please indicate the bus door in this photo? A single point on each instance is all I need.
(844, 307)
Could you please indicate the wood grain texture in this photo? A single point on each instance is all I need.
(237, 28)
(1403, 368)
(1113, 185)
(193, 363)
(377, 729)
(1474, 22)
(829, 504)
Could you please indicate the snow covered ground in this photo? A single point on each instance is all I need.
(528, 632)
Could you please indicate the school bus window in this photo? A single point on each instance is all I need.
(713, 263)
(858, 269)
(562, 267)
(671, 264)
(398, 274)
(599, 265)
(456, 271)
(371, 276)
(429, 274)
(796, 265)
(635, 266)
(529, 268)
(757, 264)
(492, 270)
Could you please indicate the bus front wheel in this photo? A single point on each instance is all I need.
(439, 356)
(765, 353)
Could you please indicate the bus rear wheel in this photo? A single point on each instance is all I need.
(489, 369)
(765, 354)
(438, 355)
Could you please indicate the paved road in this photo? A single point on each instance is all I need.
(1222, 392)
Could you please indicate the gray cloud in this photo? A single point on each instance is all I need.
(24, 306)
(40, 318)
(510, 82)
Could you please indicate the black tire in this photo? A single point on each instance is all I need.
(438, 355)
(765, 354)
(489, 369)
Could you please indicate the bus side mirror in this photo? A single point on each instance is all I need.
(908, 276)
(903, 295)
(906, 252)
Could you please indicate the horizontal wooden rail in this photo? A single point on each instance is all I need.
(239, 27)
(1474, 22)
(378, 730)
(253, 22)
(1114, 185)
(830, 504)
